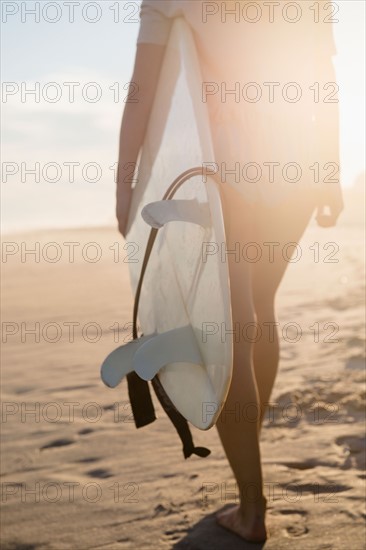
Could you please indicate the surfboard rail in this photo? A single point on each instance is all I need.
(182, 290)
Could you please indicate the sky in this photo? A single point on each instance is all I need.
(96, 44)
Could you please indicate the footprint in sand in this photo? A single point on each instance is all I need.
(125, 542)
(73, 388)
(86, 431)
(357, 362)
(119, 544)
(23, 390)
(58, 443)
(354, 449)
(100, 473)
(329, 491)
(88, 460)
(20, 546)
(306, 465)
(354, 443)
(111, 407)
(174, 535)
(291, 522)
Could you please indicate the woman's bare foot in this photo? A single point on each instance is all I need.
(250, 529)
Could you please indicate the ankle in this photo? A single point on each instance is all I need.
(253, 510)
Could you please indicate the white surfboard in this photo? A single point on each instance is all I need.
(184, 309)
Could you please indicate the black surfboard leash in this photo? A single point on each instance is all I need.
(138, 389)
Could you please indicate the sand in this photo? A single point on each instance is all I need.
(76, 474)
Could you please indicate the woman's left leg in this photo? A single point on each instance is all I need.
(238, 429)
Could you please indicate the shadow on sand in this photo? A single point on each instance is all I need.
(206, 533)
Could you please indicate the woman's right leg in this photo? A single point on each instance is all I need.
(253, 289)
(275, 227)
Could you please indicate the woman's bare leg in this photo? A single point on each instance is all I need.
(238, 427)
(282, 224)
(253, 288)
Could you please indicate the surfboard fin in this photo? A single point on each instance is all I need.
(174, 346)
(158, 213)
(177, 345)
(148, 354)
(119, 363)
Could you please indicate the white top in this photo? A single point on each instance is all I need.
(258, 64)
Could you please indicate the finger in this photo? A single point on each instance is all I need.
(325, 220)
(326, 215)
(121, 229)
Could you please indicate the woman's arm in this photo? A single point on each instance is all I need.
(136, 114)
(327, 125)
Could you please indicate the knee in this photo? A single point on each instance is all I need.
(264, 306)
(243, 315)
(244, 331)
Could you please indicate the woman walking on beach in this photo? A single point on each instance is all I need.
(267, 67)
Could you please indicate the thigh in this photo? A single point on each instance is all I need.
(277, 230)
(257, 235)
(239, 229)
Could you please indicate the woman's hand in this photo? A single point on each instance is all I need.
(330, 205)
(329, 200)
(123, 203)
(123, 194)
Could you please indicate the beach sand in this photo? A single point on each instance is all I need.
(77, 474)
